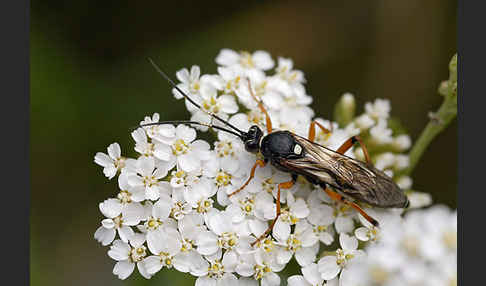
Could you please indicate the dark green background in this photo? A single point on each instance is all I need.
(90, 83)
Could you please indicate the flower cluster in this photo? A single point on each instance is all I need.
(420, 249)
(173, 207)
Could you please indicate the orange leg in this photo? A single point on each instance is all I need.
(350, 142)
(312, 130)
(337, 197)
(258, 162)
(285, 185)
(262, 108)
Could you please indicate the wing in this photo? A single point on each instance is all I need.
(354, 178)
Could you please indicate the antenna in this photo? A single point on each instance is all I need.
(192, 123)
(159, 70)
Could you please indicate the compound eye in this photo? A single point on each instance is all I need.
(297, 149)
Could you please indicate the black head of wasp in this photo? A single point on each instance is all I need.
(351, 179)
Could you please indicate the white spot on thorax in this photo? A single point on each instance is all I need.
(297, 149)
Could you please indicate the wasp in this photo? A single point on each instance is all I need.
(351, 180)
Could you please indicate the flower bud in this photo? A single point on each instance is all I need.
(344, 110)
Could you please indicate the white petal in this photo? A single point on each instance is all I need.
(146, 165)
(119, 250)
(138, 193)
(207, 243)
(103, 160)
(284, 256)
(188, 162)
(206, 281)
(114, 150)
(156, 241)
(297, 280)
(257, 226)
(182, 261)
(137, 239)
(263, 60)
(230, 260)
(183, 75)
(108, 223)
(244, 281)
(271, 279)
(305, 256)
(162, 207)
(110, 172)
(311, 274)
(142, 270)
(299, 208)
(110, 208)
(328, 267)
(326, 238)
(281, 230)
(227, 57)
(347, 242)
(220, 223)
(125, 233)
(153, 264)
(163, 152)
(152, 193)
(133, 213)
(185, 133)
(344, 224)
(123, 269)
(104, 236)
(362, 233)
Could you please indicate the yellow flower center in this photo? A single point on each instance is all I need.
(179, 147)
(246, 60)
(223, 179)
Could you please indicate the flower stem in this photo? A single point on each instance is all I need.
(438, 120)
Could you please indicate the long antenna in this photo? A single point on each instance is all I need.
(191, 123)
(159, 70)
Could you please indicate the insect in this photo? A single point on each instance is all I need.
(351, 179)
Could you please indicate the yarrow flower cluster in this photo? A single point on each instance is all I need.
(173, 207)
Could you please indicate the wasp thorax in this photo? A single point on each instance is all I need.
(280, 144)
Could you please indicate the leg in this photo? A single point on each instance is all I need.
(337, 197)
(312, 130)
(262, 108)
(285, 185)
(258, 162)
(350, 142)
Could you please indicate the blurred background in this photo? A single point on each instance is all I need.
(91, 83)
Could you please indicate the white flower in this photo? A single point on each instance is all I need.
(223, 236)
(297, 210)
(244, 214)
(112, 162)
(127, 256)
(118, 218)
(285, 71)
(189, 81)
(217, 272)
(419, 199)
(162, 133)
(330, 266)
(147, 182)
(303, 243)
(185, 150)
(258, 60)
(311, 277)
(167, 246)
(380, 133)
(212, 103)
(380, 109)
